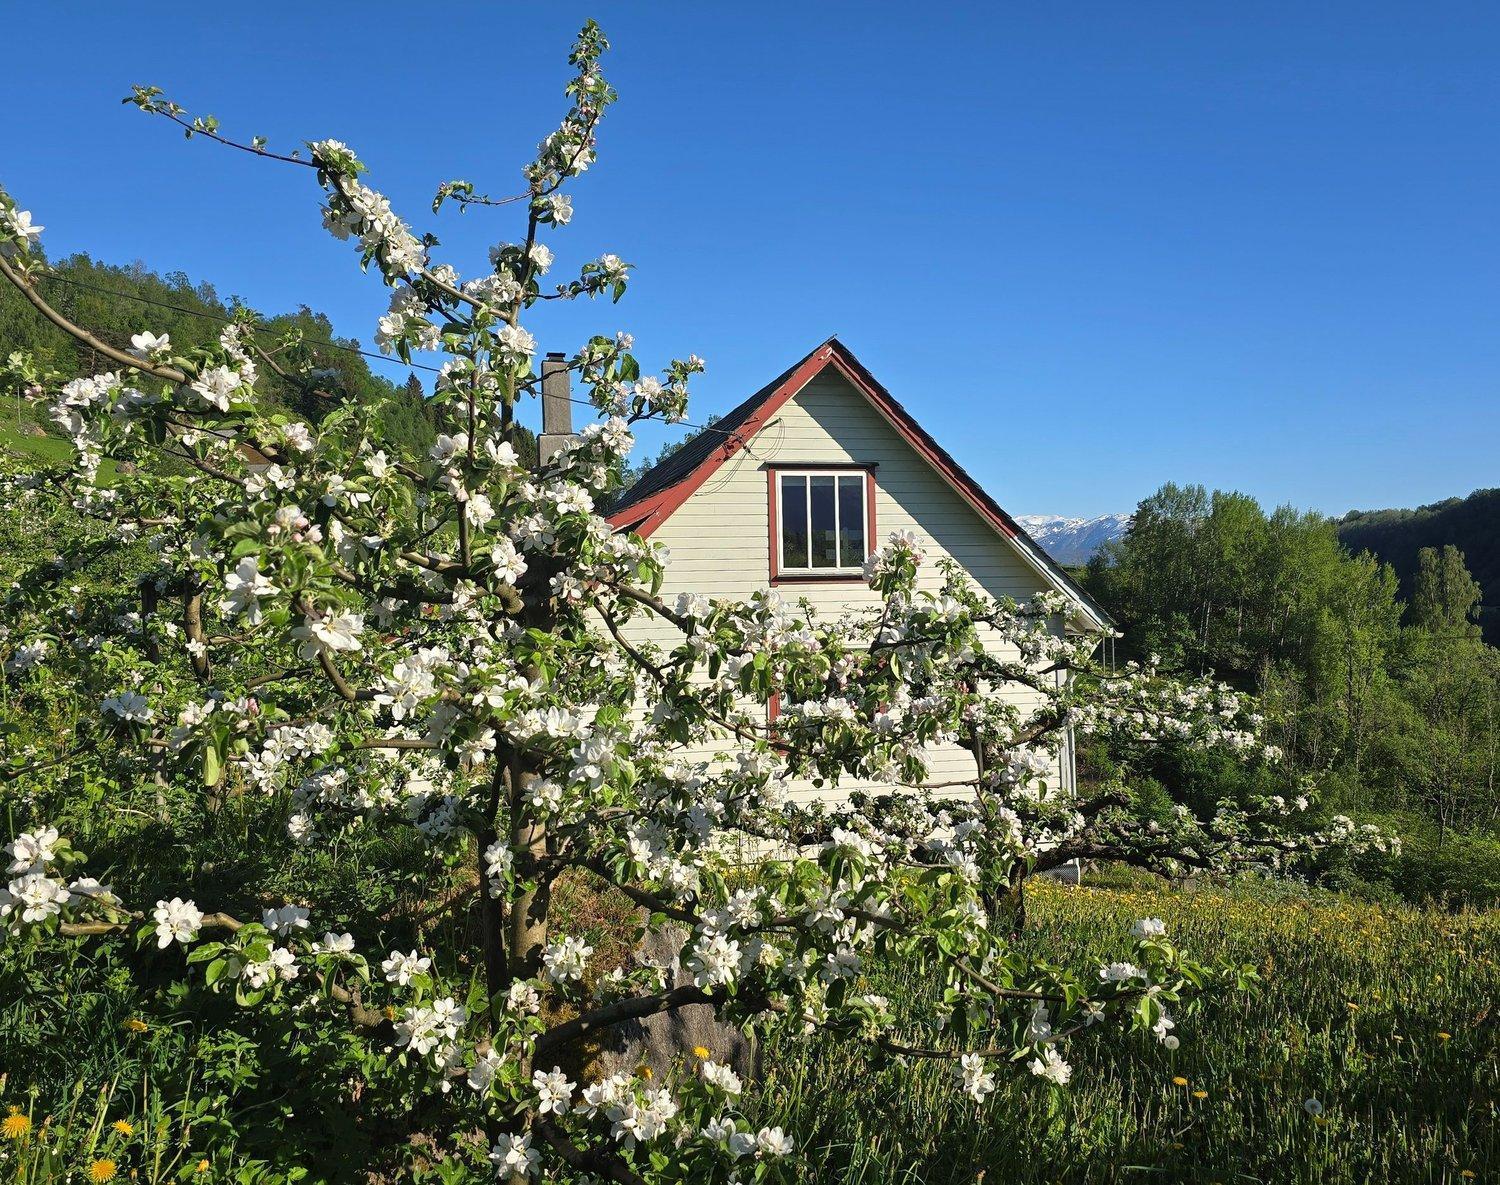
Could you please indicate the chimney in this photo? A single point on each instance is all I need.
(557, 407)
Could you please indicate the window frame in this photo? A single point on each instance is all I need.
(779, 573)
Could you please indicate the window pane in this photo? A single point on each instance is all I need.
(851, 521)
(794, 522)
(824, 536)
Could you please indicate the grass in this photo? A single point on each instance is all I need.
(53, 450)
(1382, 1013)
(16, 438)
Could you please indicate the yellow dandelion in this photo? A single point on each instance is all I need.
(644, 1072)
(702, 1052)
(1445, 1036)
(15, 1126)
(1200, 1094)
(1467, 1174)
(202, 1166)
(1352, 1006)
(124, 1127)
(136, 1025)
(1179, 1081)
(103, 1170)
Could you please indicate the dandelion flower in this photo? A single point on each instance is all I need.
(102, 1170)
(15, 1125)
(1445, 1036)
(1200, 1094)
(202, 1166)
(124, 1127)
(1179, 1081)
(702, 1052)
(136, 1025)
(1312, 1107)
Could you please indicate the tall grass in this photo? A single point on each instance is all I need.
(1382, 1013)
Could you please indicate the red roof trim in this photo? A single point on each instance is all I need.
(651, 512)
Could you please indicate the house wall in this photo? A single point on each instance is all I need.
(719, 537)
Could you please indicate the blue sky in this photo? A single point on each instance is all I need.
(1093, 247)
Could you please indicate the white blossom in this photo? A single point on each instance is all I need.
(177, 921)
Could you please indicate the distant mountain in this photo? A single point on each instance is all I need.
(1073, 541)
(1470, 524)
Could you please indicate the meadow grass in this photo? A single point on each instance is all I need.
(1382, 1013)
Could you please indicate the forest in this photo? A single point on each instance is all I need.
(1375, 675)
(121, 300)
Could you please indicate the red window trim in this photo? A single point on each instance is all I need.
(773, 551)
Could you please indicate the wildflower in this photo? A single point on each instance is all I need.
(1200, 1094)
(102, 1170)
(202, 1166)
(15, 1126)
(1313, 1107)
(124, 1127)
(136, 1025)
(701, 1052)
(1445, 1036)
(1179, 1081)
(1149, 928)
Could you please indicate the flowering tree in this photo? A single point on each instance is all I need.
(449, 647)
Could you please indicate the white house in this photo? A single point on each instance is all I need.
(795, 486)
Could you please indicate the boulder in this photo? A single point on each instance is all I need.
(669, 1037)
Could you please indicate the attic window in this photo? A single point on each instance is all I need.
(821, 521)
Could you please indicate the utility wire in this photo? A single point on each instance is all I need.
(161, 304)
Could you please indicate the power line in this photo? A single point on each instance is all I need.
(162, 304)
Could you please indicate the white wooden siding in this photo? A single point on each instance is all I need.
(719, 537)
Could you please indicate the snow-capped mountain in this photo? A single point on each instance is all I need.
(1073, 540)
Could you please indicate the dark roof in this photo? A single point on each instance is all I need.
(687, 460)
(680, 464)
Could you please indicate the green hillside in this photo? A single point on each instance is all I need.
(1470, 524)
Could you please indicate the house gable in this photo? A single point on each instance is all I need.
(828, 409)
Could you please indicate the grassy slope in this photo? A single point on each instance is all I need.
(50, 449)
(1352, 1013)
